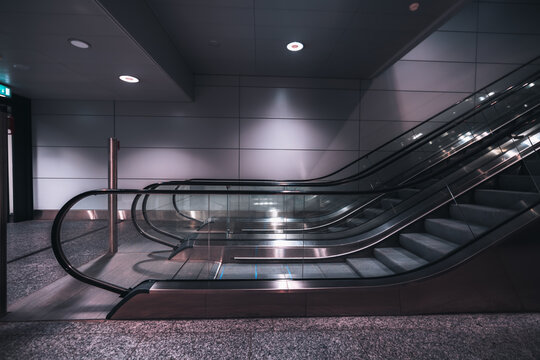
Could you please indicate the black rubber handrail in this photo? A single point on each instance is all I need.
(504, 132)
(71, 270)
(510, 91)
(423, 139)
(367, 172)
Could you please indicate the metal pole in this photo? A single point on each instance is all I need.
(3, 210)
(113, 200)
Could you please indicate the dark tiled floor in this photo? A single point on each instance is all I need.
(488, 336)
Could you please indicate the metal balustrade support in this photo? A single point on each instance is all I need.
(114, 144)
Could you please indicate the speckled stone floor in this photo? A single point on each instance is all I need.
(31, 262)
(470, 336)
(32, 266)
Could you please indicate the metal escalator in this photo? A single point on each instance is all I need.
(326, 217)
(414, 214)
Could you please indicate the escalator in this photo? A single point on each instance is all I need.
(391, 218)
(418, 162)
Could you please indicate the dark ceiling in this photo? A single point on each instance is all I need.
(165, 42)
(342, 38)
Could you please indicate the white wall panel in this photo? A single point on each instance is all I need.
(298, 103)
(185, 132)
(216, 80)
(426, 76)
(209, 101)
(299, 134)
(276, 127)
(70, 162)
(175, 164)
(445, 46)
(376, 133)
(509, 18)
(54, 193)
(405, 105)
(71, 130)
(464, 20)
(487, 73)
(507, 48)
(72, 107)
(292, 82)
(291, 164)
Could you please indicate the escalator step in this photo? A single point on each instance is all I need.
(518, 182)
(305, 271)
(516, 200)
(273, 271)
(337, 270)
(237, 271)
(398, 259)
(427, 246)
(371, 213)
(369, 267)
(197, 270)
(455, 231)
(480, 214)
(389, 203)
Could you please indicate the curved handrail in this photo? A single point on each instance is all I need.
(56, 245)
(492, 138)
(481, 91)
(365, 172)
(64, 262)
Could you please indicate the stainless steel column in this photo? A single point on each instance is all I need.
(113, 199)
(4, 212)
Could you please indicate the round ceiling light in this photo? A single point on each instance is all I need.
(129, 79)
(414, 6)
(295, 46)
(79, 43)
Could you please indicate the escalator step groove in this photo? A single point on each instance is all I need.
(369, 267)
(427, 246)
(480, 214)
(455, 231)
(398, 259)
(507, 199)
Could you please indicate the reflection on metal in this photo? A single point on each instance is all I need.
(182, 299)
(466, 179)
(113, 200)
(459, 142)
(492, 156)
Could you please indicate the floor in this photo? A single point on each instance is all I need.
(32, 267)
(487, 336)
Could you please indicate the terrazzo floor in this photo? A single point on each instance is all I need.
(31, 262)
(32, 266)
(486, 336)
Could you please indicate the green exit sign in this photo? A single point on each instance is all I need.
(5, 91)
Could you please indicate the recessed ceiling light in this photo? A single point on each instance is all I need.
(79, 43)
(414, 6)
(129, 79)
(295, 46)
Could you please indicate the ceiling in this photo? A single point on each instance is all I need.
(165, 42)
